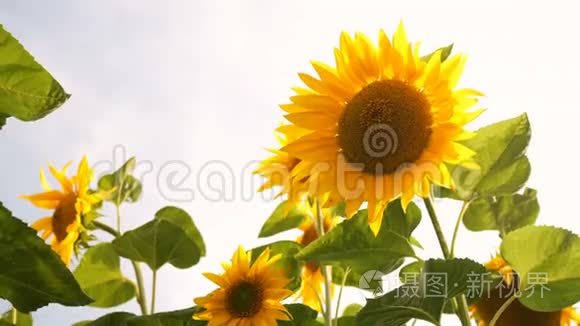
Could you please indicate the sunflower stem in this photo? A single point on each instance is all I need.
(326, 271)
(457, 225)
(462, 309)
(344, 278)
(138, 275)
(502, 309)
(153, 291)
(118, 212)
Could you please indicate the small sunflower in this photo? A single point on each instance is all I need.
(383, 123)
(312, 277)
(248, 294)
(69, 205)
(516, 314)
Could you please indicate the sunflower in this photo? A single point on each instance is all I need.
(69, 205)
(277, 168)
(516, 314)
(311, 274)
(248, 294)
(383, 123)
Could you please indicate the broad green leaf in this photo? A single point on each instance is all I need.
(346, 321)
(445, 53)
(396, 220)
(400, 221)
(27, 91)
(121, 186)
(352, 309)
(32, 275)
(410, 271)
(548, 262)
(365, 279)
(112, 319)
(288, 263)
(283, 218)
(99, 274)
(22, 319)
(169, 238)
(182, 219)
(504, 213)
(348, 317)
(173, 318)
(500, 153)
(353, 244)
(301, 316)
(3, 118)
(439, 281)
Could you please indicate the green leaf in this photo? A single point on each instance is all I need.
(548, 262)
(352, 309)
(500, 153)
(170, 238)
(288, 263)
(3, 118)
(99, 274)
(112, 319)
(445, 53)
(22, 319)
(32, 275)
(503, 213)
(182, 219)
(283, 218)
(424, 300)
(353, 244)
(121, 186)
(301, 316)
(409, 271)
(173, 318)
(27, 91)
(395, 220)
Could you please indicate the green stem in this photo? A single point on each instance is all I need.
(138, 275)
(502, 309)
(437, 227)
(462, 309)
(14, 316)
(153, 291)
(457, 224)
(326, 271)
(118, 212)
(342, 285)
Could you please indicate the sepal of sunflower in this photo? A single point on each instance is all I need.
(70, 205)
(248, 293)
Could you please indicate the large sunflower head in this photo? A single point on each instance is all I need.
(312, 278)
(248, 293)
(485, 309)
(68, 206)
(383, 122)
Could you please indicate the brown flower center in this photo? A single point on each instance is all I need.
(64, 215)
(388, 123)
(244, 299)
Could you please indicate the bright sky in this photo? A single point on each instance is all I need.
(181, 84)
